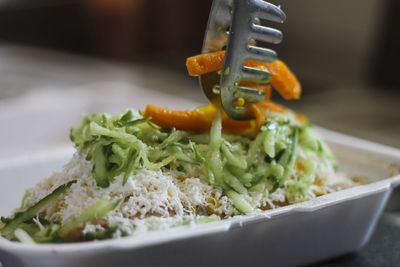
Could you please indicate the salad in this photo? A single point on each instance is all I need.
(141, 171)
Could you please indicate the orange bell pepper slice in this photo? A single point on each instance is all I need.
(283, 80)
(274, 107)
(205, 63)
(200, 119)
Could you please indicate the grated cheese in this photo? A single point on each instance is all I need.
(154, 200)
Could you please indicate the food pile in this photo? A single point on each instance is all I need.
(160, 168)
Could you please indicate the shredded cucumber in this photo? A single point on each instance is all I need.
(21, 217)
(269, 139)
(234, 182)
(213, 161)
(207, 219)
(288, 159)
(23, 236)
(128, 142)
(233, 158)
(240, 203)
(260, 187)
(97, 211)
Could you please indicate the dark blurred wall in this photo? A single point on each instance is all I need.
(143, 30)
(59, 26)
(386, 71)
(327, 43)
(127, 30)
(331, 43)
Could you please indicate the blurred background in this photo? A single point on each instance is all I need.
(59, 58)
(331, 41)
(344, 52)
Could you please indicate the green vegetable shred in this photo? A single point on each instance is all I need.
(284, 155)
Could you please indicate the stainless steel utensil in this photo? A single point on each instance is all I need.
(236, 24)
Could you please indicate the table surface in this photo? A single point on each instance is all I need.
(381, 250)
(368, 113)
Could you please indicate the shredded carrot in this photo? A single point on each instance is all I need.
(283, 80)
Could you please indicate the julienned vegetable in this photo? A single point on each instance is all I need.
(200, 119)
(137, 172)
(125, 143)
(29, 227)
(25, 220)
(282, 164)
(283, 80)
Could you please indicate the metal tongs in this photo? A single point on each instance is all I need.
(236, 25)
